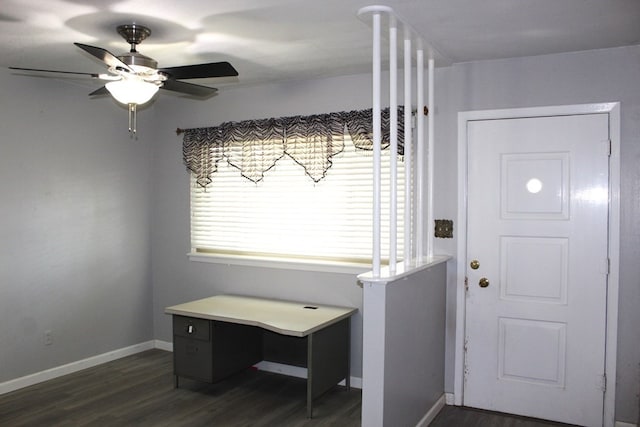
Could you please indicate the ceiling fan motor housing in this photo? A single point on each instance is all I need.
(135, 34)
(135, 59)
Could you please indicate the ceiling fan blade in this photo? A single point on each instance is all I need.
(102, 91)
(104, 55)
(201, 71)
(92, 75)
(188, 88)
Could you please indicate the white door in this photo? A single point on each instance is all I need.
(536, 300)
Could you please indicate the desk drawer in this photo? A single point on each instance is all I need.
(192, 359)
(191, 327)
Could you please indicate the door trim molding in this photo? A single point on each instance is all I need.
(613, 110)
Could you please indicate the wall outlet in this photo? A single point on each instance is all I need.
(48, 337)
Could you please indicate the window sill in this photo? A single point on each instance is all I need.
(281, 263)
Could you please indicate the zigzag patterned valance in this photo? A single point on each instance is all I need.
(254, 146)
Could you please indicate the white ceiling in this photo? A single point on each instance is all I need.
(274, 40)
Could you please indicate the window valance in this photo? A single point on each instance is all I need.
(254, 146)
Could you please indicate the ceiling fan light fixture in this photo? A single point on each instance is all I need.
(129, 91)
(134, 78)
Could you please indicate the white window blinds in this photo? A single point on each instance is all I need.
(287, 215)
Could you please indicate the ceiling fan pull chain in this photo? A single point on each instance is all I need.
(132, 118)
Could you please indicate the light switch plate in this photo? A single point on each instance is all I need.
(444, 228)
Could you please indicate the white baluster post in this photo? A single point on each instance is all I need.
(420, 155)
(408, 170)
(393, 136)
(431, 139)
(376, 145)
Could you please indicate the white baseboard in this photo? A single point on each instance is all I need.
(163, 345)
(58, 371)
(623, 424)
(432, 413)
(295, 371)
(449, 399)
(278, 368)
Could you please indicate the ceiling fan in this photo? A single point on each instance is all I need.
(134, 78)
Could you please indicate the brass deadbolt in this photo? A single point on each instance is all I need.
(475, 264)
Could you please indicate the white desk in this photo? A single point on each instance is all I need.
(218, 336)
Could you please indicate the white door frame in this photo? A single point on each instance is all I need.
(613, 109)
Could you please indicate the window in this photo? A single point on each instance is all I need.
(289, 216)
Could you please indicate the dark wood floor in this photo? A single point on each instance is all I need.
(469, 417)
(138, 391)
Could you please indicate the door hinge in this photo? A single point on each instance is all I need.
(603, 385)
(608, 148)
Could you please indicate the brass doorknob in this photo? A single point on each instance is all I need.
(484, 282)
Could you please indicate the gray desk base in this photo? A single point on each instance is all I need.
(210, 350)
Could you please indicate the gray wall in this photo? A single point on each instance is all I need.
(175, 278)
(92, 218)
(586, 77)
(414, 345)
(74, 253)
